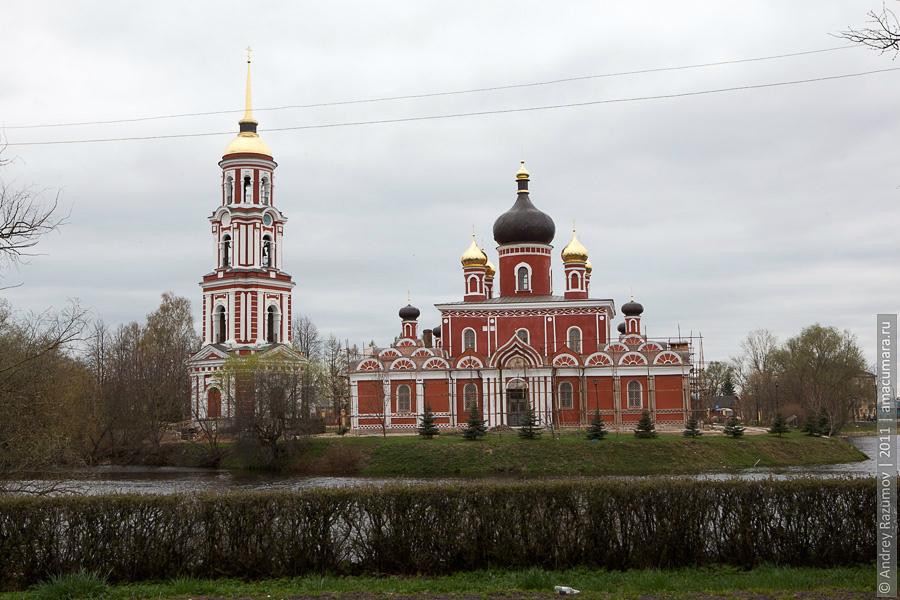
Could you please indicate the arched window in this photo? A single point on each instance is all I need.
(267, 251)
(264, 190)
(213, 403)
(229, 190)
(220, 325)
(226, 250)
(574, 281)
(634, 394)
(473, 284)
(566, 395)
(248, 189)
(470, 396)
(522, 334)
(522, 279)
(575, 340)
(404, 399)
(273, 324)
(469, 339)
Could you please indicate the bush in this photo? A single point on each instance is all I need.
(437, 529)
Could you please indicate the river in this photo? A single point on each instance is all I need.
(168, 480)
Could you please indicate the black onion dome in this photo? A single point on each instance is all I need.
(524, 223)
(632, 309)
(621, 328)
(409, 313)
(436, 332)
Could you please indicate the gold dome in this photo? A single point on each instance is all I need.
(574, 252)
(489, 270)
(522, 173)
(248, 140)
(588, 267)
(473, 256)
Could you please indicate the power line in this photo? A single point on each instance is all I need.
(434, 94)
(470, 114)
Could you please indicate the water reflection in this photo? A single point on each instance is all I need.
(169, 480)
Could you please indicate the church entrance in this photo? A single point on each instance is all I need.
(516, 402)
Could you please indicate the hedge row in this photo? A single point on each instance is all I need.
(616, 524)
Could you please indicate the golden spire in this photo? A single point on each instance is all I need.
(473, 256)
(248, 141)
(574, 251)
(588, 266)
(248, 105)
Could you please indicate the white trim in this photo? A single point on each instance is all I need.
(527, 267)
(474, 336)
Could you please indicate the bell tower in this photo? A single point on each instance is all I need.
(247, 296)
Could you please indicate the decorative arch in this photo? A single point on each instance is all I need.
(389, 353)
(469, 360)
(406, 343)
(403, 364)
(667, 358)
(370, 364)
(632, 358)
(565, 360)
(616, 347)
(633, 340)
(650, 347)
(599, 359)
(423, 353)
(436, 363)
(229, 189)
(265, 190)
(515, 348)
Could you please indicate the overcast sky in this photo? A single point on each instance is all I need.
(767, 208)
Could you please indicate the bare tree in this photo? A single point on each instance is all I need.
(882, 34)
(25, 217)
(266, 393)
(306, 336)
(41, 392)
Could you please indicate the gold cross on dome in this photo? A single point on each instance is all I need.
(248, 53)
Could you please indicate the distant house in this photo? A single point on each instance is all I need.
(723, 407)
(863, 404)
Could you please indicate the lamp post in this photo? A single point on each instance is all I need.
(776, 395)
(756, 393)
(596, 398)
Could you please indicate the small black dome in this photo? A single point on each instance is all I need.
(524, 223)
(436, 332)
(409, 313)
(621, 328)
(632, 309)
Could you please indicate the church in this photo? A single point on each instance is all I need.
(511, 346)
(247, 295)
(508, 347)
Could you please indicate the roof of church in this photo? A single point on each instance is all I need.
(524, 300)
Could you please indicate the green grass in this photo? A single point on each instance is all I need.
(80, 584)
(862, 428)
(573, 455)
(592, 583)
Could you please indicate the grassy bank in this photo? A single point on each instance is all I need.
(684, 583)
(569, 454)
